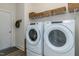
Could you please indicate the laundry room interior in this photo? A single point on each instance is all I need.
(39, 29)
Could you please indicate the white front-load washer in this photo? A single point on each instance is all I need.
(34, 39)
(59, 38)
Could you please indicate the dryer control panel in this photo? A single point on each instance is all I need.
(56, 22)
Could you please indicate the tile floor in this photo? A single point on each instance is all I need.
(13, 51)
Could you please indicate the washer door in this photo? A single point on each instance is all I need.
(59, 38)
(32, 34)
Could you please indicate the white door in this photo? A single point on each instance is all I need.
(5, 30)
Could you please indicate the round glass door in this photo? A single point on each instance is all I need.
(57, 38)
(33, 34)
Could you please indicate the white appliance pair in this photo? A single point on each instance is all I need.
(51, 38)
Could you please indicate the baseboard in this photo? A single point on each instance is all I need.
(21, 48)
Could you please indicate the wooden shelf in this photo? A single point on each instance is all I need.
(61, 10)
(73, 6)
(52, 12)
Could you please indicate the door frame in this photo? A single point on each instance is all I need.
(12, 26)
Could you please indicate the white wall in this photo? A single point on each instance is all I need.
(21, 13)
(8, 6)
(12, 9)
(38, 7)
(19, 32)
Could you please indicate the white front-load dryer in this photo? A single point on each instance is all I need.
(34, 39)
(59, 38)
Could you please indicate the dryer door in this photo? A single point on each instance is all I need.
(59, 38)
(33, 34)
